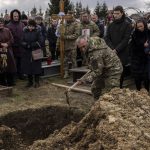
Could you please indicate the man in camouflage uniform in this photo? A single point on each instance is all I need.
(104, 64)
(88, 28)
(72, 32)
(88, 25)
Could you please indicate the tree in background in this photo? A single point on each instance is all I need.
(54, 6)
(101, 10)
(78, 9)
(87, 9)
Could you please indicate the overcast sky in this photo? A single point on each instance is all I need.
(27, 5)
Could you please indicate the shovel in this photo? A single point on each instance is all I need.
(71, 87)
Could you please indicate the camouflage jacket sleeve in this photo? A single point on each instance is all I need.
(96, 66)
(96, 31)
(75, 34)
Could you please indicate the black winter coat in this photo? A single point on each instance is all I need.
(139, 60)
(117, 37)
(31, 41)
(51, 36)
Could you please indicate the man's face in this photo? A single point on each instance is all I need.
(94, 18)
(15, 16)
(83, 45)
(54, 22)
(85, 18)
(117, 15)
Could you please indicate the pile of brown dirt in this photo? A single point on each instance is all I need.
(120, 120)
(10, 139)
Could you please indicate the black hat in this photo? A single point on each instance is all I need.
(32, 22)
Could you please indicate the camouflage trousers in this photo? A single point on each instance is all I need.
(70, 59)
(101, 86)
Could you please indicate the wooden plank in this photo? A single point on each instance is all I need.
(73, 89)
(79, 69)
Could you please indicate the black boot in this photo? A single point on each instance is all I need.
(30, 81)
(37, 83)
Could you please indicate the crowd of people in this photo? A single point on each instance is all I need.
(118, 48)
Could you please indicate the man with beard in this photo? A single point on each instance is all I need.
(117, 37)
(16, 28)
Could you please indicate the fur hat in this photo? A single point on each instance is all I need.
(32, 22)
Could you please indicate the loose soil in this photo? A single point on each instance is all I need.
(120, 120)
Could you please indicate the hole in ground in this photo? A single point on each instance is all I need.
(34, 124)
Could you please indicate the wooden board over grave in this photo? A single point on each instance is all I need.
(5, 91)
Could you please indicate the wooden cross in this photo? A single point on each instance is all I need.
(62, 31)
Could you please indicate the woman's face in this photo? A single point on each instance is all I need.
(31, 27)
(15, 16)
(140, 26)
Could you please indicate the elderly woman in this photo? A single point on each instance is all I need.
(7, 61)
(32, 39)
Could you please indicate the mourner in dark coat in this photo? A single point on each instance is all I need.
(39, 21)
(52, 38)
(117, 37)
(32, 39)
(139, 60)
(16, 27)
(7, 61)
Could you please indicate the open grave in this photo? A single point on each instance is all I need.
(21, 128)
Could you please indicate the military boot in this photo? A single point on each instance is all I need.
(66, 75)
